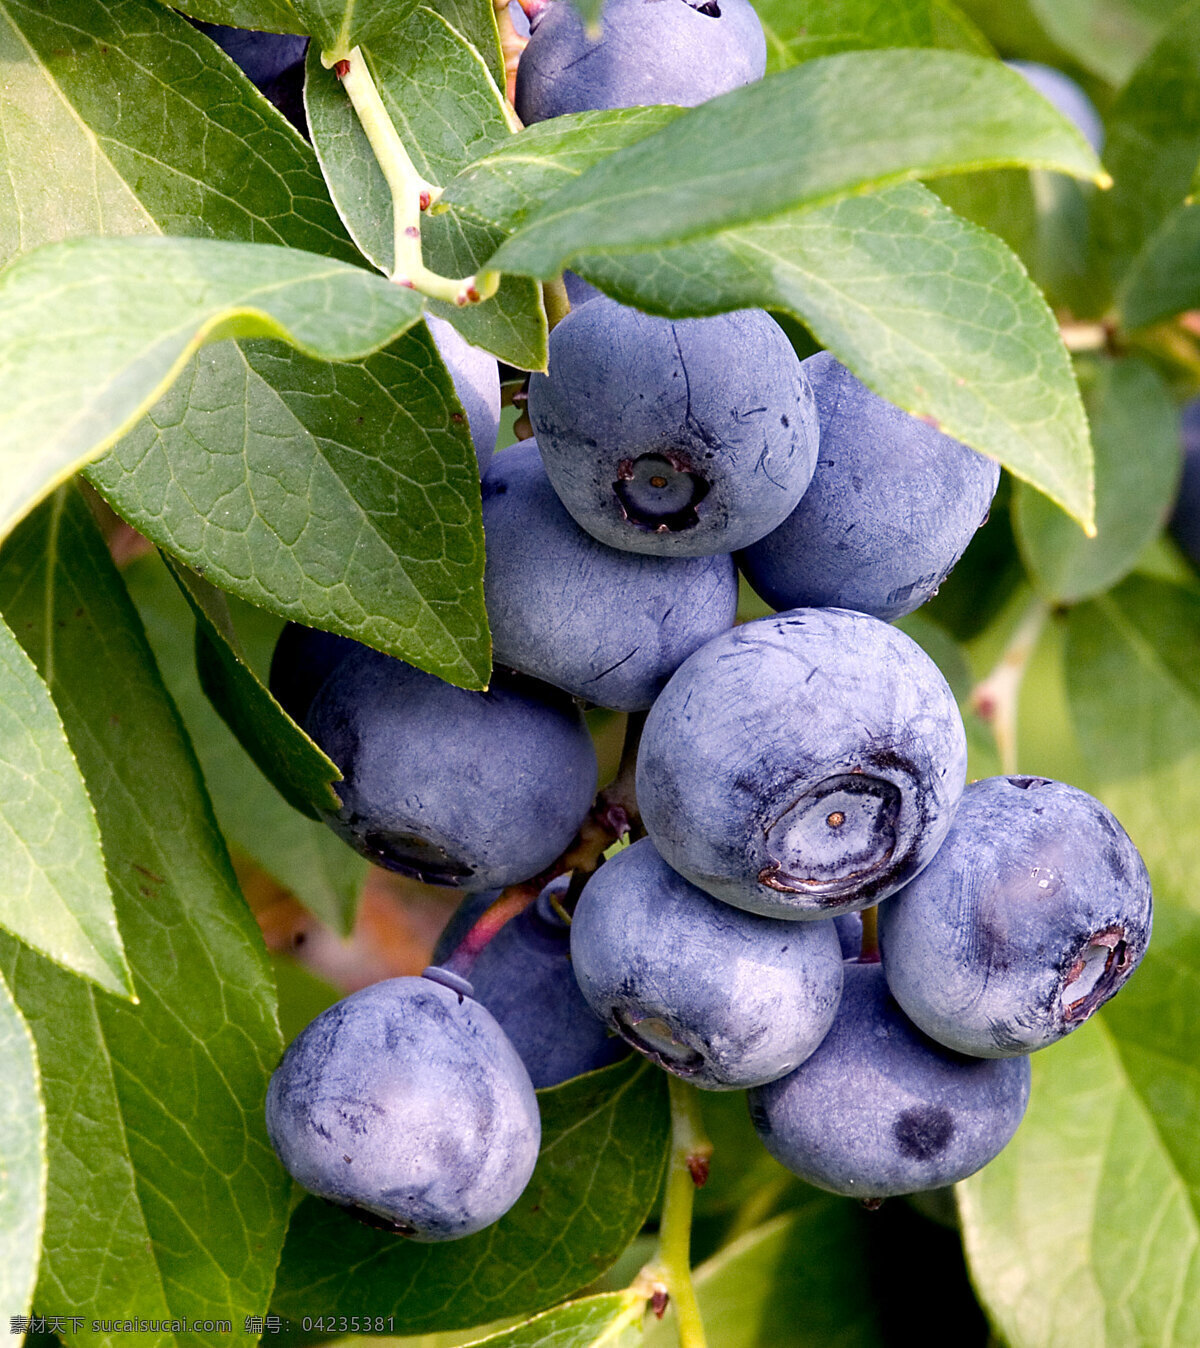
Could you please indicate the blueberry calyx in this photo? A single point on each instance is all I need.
(416, 857)
(1095, 974)
(374, 1219)
(653, 1037)
(660, 492)
(833, 836)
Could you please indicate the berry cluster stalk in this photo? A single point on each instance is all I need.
(670, 1272)
(411, 194)
(996, 697)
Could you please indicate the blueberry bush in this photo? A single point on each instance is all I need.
(269, 304)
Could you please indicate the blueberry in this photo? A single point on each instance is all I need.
(1185, 521)
(524, 978)
(578, 290)
(649, 51)
(472, 790)
(407, 1103)
(879, 1109)
(608, 626)
(849, 930)
(678, 438)
(262, 56)
(274, 62)
(1034, 912)
(476, 379)
(721, 997)
(803, 765)
(1067, 97)
(304, 658)
(891, 507)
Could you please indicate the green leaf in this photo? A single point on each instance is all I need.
(1107, 36)
(165, 1198)
(475, 18)
(799, 30)
(447, 109)
(269, 16)
(800, 1280)
(162, 72)
(1046, 220)
(298, 769)
(604, 1143)
(1128, 403)
(97, 329)
(22, 1159)
(54, 894)
(306, 858)
(336, 26)
(934, 314)
(1135, 701)
(114, 76)
(91, 88)
(833, 126)
(609, 1321)
(1085, 1228)
(521, 173)
(1164, 279)
(371, 527)
(1153, 143)
(476, 21)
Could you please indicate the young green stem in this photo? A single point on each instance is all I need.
(512, 44)
(869, 952)
(687, 1167)
(411, 194)
(996, 697)
(558, 306)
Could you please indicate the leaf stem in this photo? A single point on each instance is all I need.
(512, 44)
(411, 193)
(687, 1167)
(995, 698)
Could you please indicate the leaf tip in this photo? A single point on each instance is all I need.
(1103, 180)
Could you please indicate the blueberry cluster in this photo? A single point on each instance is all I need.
(795, 775)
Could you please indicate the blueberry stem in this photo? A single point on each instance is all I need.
(512, 44)
(411, 194)
(995, 698)
(554, 296)
(869, 950)
(690, 1152)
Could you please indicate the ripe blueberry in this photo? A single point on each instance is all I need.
(879, 1109)
(1034, 912)
(721, 997)
(476, 379)
(472, 790)
(678, 438)
(648, 51)
(407, 1103)
(609, 626)
(524, 978)
(891, 507)
(803, 765)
